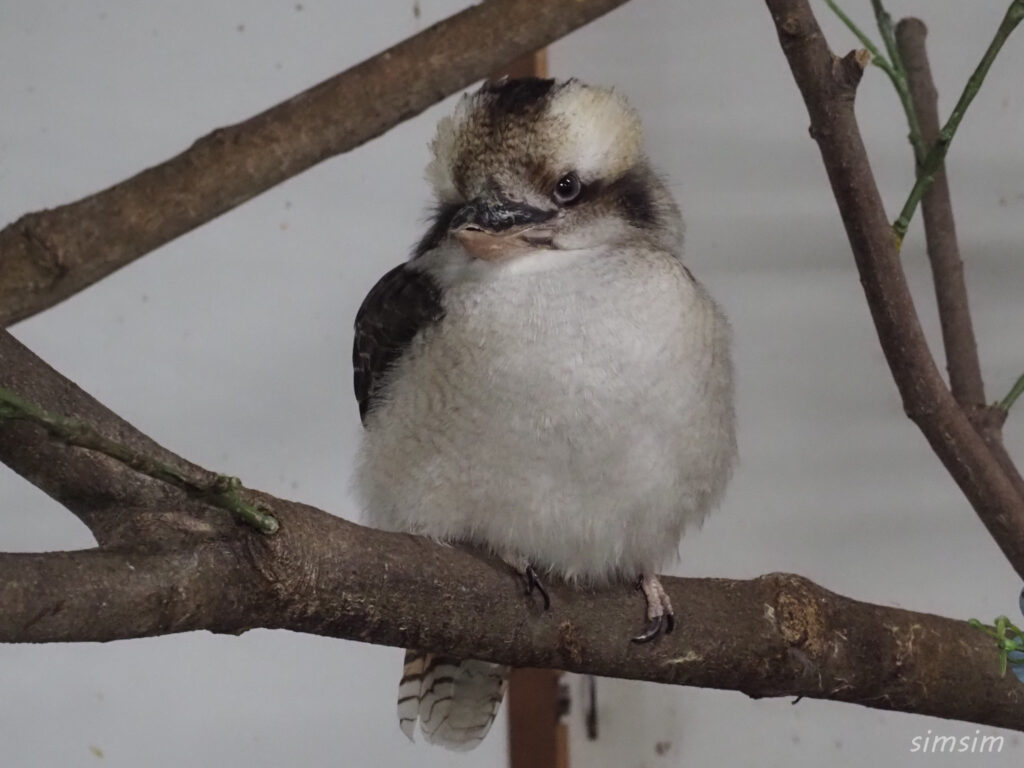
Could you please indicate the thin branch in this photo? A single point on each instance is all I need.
(828, 85)
(961, 348)
(884, 22)
(46, 257)
(212, 488)
(937, 154)
(778, 635)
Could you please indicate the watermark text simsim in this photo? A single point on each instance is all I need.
(931, 743)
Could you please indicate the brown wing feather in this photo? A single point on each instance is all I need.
(399, 306)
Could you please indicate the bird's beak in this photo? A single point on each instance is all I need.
(498, 229)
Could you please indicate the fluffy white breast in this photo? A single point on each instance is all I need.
(578, 416)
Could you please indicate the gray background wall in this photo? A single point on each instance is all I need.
(231, 344)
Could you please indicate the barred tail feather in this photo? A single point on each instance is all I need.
(454, 700)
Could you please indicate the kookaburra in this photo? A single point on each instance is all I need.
(544, 378)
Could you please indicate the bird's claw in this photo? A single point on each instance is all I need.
(653, 629)
(533, 582)
(660, 616)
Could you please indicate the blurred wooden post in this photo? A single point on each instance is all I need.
(537, 737)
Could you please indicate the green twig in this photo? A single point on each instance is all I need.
(219, 490)
(884, 21)
(893, 67)
(937, 154)
(900, 81)
(1011, 397)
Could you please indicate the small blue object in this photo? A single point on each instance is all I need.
(1016, 658)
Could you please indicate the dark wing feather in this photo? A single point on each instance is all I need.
(399, 306)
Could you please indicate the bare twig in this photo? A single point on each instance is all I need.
(46, 257)
(937, 154)
(828, 85)
(940, 231)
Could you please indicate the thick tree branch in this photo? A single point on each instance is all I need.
(965, 378)
(47, 256)
(828, 85)
(778, 635)
(96, 594)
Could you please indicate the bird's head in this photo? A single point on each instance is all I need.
(530, 165)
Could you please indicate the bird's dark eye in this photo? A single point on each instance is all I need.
(568, 188)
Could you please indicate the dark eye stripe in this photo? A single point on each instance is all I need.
(634, 200)
(630, 194)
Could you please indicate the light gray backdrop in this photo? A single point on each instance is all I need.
(231, 346)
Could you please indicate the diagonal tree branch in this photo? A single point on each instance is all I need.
(47, 256)
(210, 487)
(777, 635)
(965, 378)
(828, 85)
(122, 507)
(958, 338)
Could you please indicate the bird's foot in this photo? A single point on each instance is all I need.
(659, 609)
(533, 583)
